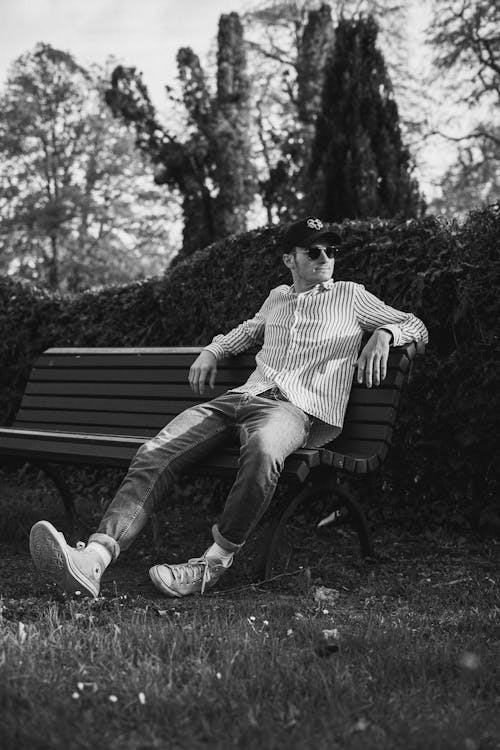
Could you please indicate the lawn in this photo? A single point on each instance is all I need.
(400, 651)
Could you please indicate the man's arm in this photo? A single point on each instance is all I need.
(247, 334)
(389, 326)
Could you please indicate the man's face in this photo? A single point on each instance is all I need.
(310, 266)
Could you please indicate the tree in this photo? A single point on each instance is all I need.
(465, 38)
(211, 165)
(286, 121)
(76, 205)
(359, 165)
(473, 181)
(289, 42)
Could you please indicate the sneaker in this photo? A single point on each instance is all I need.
(74, 571)
(192, 577)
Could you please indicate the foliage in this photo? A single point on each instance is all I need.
(288, 47)
(465, 44)
(359, 165)
(289, 43)
(76, 204)
(445, 273)
(464, 34)
(474, 179)
(210, 166)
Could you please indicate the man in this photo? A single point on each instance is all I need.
(310, 334)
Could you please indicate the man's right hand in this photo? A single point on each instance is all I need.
(203, 368)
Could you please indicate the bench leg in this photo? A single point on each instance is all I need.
(55, 475)
(279, 544)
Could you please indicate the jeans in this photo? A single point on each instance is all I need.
(269, 428)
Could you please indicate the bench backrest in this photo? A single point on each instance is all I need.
(136, 391)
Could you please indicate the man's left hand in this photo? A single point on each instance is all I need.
(372, 362)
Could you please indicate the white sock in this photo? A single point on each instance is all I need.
(224, 555)
(102, 551)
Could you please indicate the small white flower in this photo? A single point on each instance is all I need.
(112, 699)
(90, 687)
(265, 622)
(326, 611)
(252, 618)
(142, 698)
(22, 633)
(289, 631)
(75, 695)
(218, 675)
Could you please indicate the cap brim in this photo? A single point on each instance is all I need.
(325, 235)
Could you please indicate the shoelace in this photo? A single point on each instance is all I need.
(186, 572)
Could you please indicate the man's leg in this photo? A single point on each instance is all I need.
(189, 437)
(270, 430)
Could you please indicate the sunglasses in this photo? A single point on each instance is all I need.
(314, 252)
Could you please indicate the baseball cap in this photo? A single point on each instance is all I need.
(306, 232)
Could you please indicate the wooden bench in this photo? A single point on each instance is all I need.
(97, 406)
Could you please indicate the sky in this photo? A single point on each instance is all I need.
(144, 34)
(147, 34)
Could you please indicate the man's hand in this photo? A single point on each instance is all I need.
(204, 367)
(372, 362)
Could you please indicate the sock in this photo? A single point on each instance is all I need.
(102, 551)
(218, 552)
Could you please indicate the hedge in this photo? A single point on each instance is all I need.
(445, 457)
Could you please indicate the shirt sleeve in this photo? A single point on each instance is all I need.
(247, 334)
(373, 314)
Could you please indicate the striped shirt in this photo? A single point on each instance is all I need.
(310, 342)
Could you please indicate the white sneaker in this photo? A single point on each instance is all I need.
(74, 571)
(192, 577)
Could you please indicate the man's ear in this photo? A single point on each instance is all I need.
(289, 260)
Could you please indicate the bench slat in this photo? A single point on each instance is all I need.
(150, 424)
(119, 451)
(67, 421)
(151, 390)
(361, 431)
(145, 431)
(377, 413)
(93, 359)
(225, 376)
(407, 351)
(114, 390)
(227, 373)
(354, 455)
(103, 405)
(309, 455)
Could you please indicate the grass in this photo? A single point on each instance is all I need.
(398, 652)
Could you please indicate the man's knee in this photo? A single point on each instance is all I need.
(262, 451)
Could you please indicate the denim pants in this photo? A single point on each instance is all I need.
(269, 428)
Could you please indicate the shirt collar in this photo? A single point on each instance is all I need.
(323, 286)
